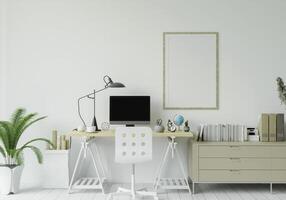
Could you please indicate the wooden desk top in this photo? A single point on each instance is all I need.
(111, 133)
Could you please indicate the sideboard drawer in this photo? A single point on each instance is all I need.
(236, 163)
(278, 151)
(230, 151)
(278, 175)
(234, 175)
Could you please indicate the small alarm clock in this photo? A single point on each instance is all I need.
(171, 126)
(105, 126)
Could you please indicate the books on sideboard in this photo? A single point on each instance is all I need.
(271, 127)
(222, 133)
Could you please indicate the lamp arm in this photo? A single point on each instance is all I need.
(78, 110)
(88, 96)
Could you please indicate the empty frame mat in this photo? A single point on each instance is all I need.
(191, 70)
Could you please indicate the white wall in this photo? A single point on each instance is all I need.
(58, 50)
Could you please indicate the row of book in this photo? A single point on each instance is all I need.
(222, 133)
(271, 127)
(60, 142)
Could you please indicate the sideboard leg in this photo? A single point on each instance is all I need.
(271, 188)
(193, 187)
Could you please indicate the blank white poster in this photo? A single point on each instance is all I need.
(190, 71)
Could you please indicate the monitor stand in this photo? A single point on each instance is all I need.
(129, 125)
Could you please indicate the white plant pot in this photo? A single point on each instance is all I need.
(10, 177)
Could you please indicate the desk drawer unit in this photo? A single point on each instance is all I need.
(234, 162)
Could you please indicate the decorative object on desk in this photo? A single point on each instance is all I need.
(178, 120)
(105, 126)
(81, 128)
(10, 134)
(281, 90)
(90, 129)
(186, 127)
(159, 127)
(252, 131)
(171, 126)
(108, 84)
(252, 134)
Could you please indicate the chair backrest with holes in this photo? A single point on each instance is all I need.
(133, 144)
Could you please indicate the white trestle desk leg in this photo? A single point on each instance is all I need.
(76, 165)
(96, 170)
(85, 148)
(159, 171)
(183, 170)
(174, 152)
(99, 160)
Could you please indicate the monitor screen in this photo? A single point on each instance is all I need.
(129, 109)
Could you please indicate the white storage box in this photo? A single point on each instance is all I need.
(56, 169)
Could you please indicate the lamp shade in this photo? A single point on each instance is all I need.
(116, 85)
(110, 84)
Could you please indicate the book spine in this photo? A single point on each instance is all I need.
(280, 127)
(264, 127)
(54, 138)
(272, 127)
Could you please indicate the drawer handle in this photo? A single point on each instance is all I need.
(234, 158)
(234, 146)
(234, 170)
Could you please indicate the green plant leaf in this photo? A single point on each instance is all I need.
(2, 151)
(32, 122)
(10, 132)
(17, 115)
(4, 138)
(37, 152)
(39, 139)
(19, 154)
(19, 127)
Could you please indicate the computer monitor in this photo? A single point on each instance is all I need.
(129, 110)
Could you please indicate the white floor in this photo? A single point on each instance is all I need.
(204, 192)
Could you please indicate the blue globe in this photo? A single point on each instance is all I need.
(179, 120)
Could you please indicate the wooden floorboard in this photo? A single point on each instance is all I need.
(203, 192)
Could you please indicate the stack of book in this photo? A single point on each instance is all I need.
(222, 133)
(271, 127)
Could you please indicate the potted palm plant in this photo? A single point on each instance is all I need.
(10, 134)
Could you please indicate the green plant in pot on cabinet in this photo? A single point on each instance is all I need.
(10, 134)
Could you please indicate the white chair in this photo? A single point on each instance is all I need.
(133, 145)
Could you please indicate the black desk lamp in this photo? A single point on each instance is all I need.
(108, 84)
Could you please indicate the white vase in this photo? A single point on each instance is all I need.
(10, 177)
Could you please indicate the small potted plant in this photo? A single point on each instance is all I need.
(281, 90)
(10, 134)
